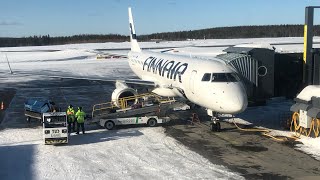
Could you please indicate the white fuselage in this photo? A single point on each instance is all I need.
(183, 76)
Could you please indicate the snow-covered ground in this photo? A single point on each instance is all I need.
(69, 62)
(135, 153)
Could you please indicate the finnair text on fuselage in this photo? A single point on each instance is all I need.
(165, 68)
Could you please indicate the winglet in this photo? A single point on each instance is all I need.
(133, 37)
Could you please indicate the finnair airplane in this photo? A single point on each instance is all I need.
(208, 83)
(211, 84)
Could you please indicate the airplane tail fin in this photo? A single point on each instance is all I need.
(133, 37)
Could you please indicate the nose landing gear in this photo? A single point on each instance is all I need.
(215, 125)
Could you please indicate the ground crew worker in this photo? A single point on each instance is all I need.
(71, 118)
(80, 115)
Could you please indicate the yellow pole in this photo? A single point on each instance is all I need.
(305, 43)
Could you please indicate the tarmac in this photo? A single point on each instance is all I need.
(251, 154)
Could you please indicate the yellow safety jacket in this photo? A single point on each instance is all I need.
(80, 115)
(70, 114)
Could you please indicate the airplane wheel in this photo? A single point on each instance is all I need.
(109, 125)
(212, 126)
(215, 126)
(218, 127)
(152, 122)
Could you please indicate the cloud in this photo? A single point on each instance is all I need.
(172, 3)
(117, 1)
(95, 14)
(9, 23)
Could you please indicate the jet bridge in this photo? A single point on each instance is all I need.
(256, 67)
(244, 64)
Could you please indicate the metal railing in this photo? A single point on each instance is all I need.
(124, 102)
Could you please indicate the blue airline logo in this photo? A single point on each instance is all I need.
(134, 36)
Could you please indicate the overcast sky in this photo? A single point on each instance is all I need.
(70, 17)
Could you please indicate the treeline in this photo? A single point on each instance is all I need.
(234, 32)
(47, 40)
(211, 33)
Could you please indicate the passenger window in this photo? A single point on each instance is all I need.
(206, 77)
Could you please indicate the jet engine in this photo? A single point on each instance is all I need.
(122, 90)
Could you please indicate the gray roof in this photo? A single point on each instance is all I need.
(242, 50)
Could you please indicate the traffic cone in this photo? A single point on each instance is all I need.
(2, 106)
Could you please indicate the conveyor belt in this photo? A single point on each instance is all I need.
(148, 110)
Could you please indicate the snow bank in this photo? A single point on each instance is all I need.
(310, 146)
(308, 92)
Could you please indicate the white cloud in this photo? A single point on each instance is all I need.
(9, 23)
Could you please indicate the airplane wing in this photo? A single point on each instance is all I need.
(138, 82)
(167, 50)
(111, 56)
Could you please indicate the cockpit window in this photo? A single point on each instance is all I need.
(234, 77)
(206, 77)
(219, 77)
(224, 77)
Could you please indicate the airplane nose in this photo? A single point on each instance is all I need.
(238, 102)
(234, 104)
(243, 103)
(231, 101)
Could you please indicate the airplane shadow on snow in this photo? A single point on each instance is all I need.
(91, 137)
(16, 162)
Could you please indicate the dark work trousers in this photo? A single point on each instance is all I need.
(69, 127)
(78, 127)
(74, 126)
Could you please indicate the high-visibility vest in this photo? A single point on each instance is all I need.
(70, 112)
(80, 115)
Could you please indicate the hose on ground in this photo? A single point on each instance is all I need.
(299, 130)
(264, 132)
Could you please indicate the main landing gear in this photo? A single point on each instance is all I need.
(215, 124)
